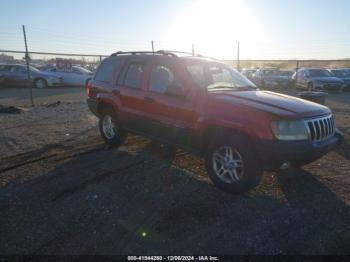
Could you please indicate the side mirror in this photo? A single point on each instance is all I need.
(175, 90)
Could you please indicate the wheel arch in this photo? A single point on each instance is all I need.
(104, 105)
(39, 78)
(213, 130)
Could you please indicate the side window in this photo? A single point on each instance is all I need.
(133, 76)
(4, 68)
(21, 70)
(161, 77)
(220, 75)
(106, 70)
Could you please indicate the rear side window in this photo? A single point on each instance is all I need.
(161, 78)
(106, 70)
(133, 77)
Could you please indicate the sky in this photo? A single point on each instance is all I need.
(266, 29)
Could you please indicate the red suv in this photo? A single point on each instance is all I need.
(203, 106)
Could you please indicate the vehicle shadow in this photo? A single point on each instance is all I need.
(136, 201)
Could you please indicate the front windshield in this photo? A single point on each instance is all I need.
(270, 72)
(213, 77)
(341, 73)
(286, 73)
(82, 69)
(319, 73)
(33, 69)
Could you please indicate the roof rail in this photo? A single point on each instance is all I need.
(171, 53)
(131, 53)
(174, 52)
(160, 52)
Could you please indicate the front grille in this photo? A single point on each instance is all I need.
(321, 128)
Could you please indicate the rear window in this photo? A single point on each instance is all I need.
(106, 70)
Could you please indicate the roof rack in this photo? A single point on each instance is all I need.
(171, 53)
(160, 52)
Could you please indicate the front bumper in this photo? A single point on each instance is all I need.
(274, 153)
(329, 87)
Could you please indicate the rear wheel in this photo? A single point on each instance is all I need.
(232, 164)
(110, 128)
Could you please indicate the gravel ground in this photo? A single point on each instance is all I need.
(62, 191)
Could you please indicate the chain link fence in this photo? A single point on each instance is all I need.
(71, 70)
(18, 93)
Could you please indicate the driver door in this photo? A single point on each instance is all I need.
(172, 116)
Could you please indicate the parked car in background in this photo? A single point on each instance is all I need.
(205, 107)
(317, 79)
(77, 76)
(284, 78)
(15, 75)
(248, 73)
(343, 74)
(266, 77)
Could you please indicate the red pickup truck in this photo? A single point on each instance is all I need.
(203, 106)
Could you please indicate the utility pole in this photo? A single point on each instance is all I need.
(296, 75)
(192, 49)
(238, 56)
(152, 46)
(28, 72)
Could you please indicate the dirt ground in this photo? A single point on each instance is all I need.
(62, 191)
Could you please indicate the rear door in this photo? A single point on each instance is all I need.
(17, 76)
(4, 71)
(131, 92)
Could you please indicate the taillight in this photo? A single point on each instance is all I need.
(88, 88)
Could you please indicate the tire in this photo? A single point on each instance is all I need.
(310, 86)
(248, 170)
(110, 128)
(40, 83)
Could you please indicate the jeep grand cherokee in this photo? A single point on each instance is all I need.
(203, 106)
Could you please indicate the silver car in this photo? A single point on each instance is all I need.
(77, 76)
(15, 75)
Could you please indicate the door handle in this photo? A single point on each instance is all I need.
(148, 99)
(116, 92)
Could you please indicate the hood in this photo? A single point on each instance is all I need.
(271, 102)
(345, 79)
(329, 79)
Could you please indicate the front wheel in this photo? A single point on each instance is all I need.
(110, 128)
(40, 83)
(233, 165)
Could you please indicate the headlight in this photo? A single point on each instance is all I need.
(290, 130)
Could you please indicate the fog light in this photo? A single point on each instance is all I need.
(285, 166)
